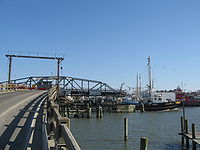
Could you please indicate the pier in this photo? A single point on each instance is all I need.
(187, 136)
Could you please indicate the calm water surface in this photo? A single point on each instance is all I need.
(161, 128)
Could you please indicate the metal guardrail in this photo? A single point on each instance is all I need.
(58, 127)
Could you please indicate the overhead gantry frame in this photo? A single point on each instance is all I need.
(59, 60)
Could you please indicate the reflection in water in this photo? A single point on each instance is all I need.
(161, 128)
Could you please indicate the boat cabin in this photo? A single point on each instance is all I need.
(160, 97)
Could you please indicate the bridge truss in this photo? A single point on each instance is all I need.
(70, 85)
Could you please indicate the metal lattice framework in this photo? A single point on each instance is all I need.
(71, 86)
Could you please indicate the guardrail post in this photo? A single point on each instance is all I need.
(52, 107)
(50, 115)
(65, 121)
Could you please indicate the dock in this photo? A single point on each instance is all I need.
(187, 136)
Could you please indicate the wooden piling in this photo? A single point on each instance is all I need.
(89, 113)
(142, 108)
(193, 136)
(62, 110)
(186, 126)
(100, 112)
(186, 131)
(68, 112)
(143, 143)
(77, 113)
(182, 130)
(125, 129)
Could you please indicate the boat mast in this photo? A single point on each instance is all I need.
(140, 85)
(137, 88)
(149, 71)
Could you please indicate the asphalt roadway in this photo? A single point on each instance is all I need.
(20, 120)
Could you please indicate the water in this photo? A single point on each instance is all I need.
(161, 128)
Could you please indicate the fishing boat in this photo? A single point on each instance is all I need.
(160, 101)
(156, 101)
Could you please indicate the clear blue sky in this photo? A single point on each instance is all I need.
(107, 40)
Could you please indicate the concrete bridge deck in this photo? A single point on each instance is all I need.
(20, 120)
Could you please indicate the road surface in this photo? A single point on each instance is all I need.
(20, 120)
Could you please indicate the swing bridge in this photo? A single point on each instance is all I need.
(70, 86)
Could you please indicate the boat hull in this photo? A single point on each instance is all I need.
(160, 106)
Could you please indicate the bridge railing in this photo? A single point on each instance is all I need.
(52, 93)
(12, 87)
(58, 127)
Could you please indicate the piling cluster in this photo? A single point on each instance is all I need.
(186, 135)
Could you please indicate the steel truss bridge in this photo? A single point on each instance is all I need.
(69, 85)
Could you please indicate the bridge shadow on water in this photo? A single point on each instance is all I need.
(19, 137)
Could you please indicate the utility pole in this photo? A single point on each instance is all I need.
(58, 76)
(9, 69)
